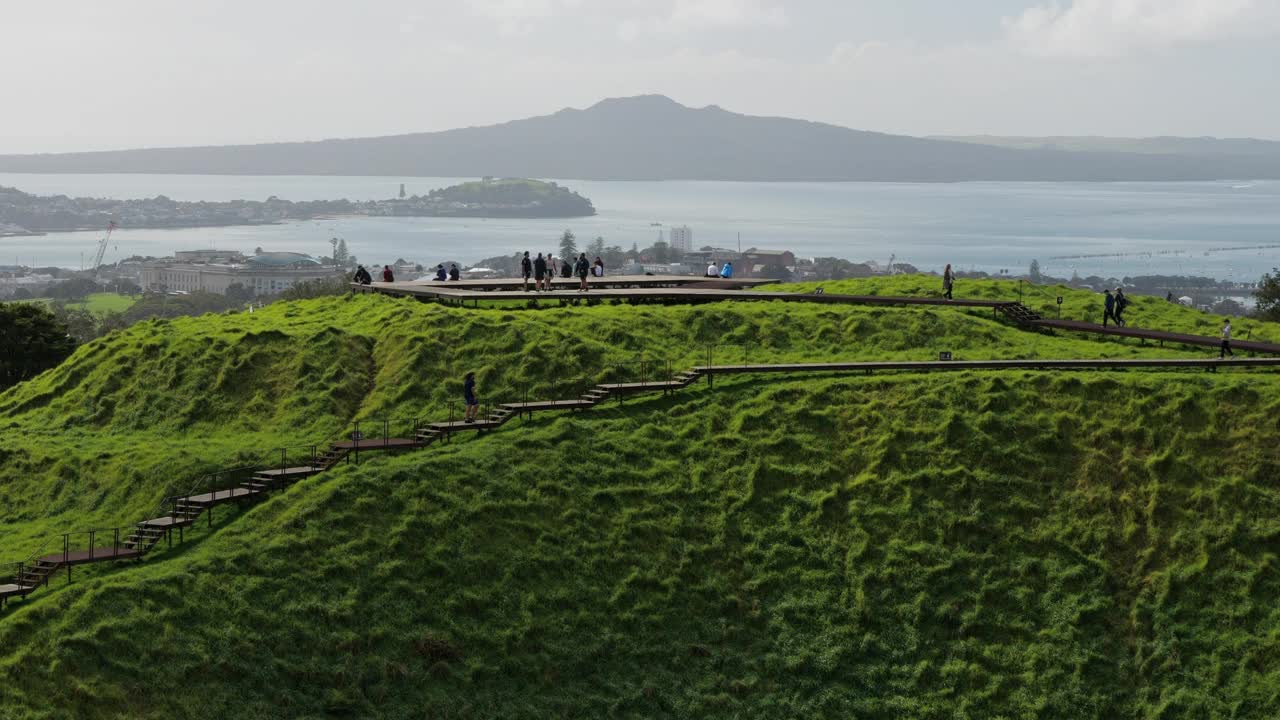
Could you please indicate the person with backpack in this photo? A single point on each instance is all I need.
(387, 275)
(469, 397)
(453, 272)
(539, 271)
(948, 282)
(526, 269)
(1122, 302)
(1109, 308)
(581, 268)
(1226, 340)
(441, 275)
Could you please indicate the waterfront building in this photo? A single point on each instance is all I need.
(264, 273)
(681, 239)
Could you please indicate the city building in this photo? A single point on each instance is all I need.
(681, 238)
(264, 273)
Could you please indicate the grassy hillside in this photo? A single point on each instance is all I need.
(1002, 545)
(1146, 311)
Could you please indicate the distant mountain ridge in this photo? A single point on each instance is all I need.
(1164, 145)
(651, 137)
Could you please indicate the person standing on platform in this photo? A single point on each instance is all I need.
(526, 269)
(948, 282)
(539, 271)
(581, 268)
(1109, 308)
(726, 272)
(1122, 302)
(453, 272)
(387, 275)
(1226, 340)
(470, 398)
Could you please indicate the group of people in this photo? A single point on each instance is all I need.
(543, 270)
(443, 275)
(363, 277)
(1113, 307)
(716, 271)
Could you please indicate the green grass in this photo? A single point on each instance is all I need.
(1012, 544)
(103, 303)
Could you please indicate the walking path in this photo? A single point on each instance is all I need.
(694, 290)
(184, 511)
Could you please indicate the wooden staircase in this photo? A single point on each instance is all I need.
(185, 511)
(1019, 313)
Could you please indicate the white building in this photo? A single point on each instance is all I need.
(264, 274)
(682, 238)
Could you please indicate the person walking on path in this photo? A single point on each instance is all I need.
(453, 272)
(362, 275)
(726, 272)
(1226, 340)
(713, 270)
(1109, 308)
(469, 397)
(526, 269)
(597, 267)
(539, 271)
(441, 275)
(581, 268)
(948, 281)
(1122, 302)
(387, 275)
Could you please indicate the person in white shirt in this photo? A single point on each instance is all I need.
(1226, 340)
(713, 270)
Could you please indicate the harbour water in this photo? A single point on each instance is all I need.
(1217, 229)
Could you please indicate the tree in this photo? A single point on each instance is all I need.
(1267, 296)
(1034, 273)
(341, 256)
(596, 248)
(73, 289)
(33, 339)
(660, 251)
(568, 245)
(239, 293)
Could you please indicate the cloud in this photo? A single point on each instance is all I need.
(1110, 28)
(516, 17)
(684, 16)
(848, 52)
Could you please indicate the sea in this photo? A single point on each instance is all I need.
(1227, 230)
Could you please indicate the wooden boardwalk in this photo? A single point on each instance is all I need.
(184, 510)
(1159, 336)
(693, 291)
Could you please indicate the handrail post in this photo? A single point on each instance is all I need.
(91, 543)
(386, 432)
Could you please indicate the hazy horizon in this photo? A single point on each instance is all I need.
(84, 76)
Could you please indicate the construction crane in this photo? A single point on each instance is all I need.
(102, 249)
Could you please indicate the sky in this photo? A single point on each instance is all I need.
(91, 75)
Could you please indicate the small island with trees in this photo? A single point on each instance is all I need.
(493, 198)
(26, 214)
